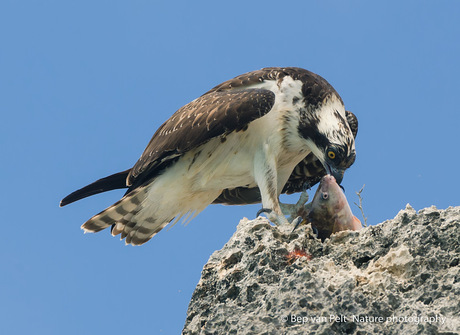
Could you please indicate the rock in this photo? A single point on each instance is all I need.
(399, 277)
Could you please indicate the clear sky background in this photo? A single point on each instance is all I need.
(84, 85)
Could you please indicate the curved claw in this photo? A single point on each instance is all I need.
(315, 231)
(264, 210)
(277, 219)
(296, 222)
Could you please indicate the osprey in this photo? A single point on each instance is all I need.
(245, 141)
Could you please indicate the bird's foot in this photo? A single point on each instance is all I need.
(298, 209)
(277, 219)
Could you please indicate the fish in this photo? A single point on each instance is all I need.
(329, 211)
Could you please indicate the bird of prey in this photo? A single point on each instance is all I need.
(247, 140)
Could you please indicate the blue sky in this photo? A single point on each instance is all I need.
(85, 84)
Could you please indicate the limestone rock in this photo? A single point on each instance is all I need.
(399, 277)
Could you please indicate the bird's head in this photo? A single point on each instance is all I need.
(329, 136)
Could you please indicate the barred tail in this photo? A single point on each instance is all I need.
(126, 219)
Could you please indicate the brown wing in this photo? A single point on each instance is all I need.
(227, 107)
(214, 114)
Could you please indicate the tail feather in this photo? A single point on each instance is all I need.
(137, 232)
(118, 227)
(139, 215)
(120, 212)
(127, 220)
(112, 182)
(141, 234)
(144, 229)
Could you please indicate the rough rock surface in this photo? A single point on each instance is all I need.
(399, 277)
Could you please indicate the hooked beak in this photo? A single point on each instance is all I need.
(336, 173)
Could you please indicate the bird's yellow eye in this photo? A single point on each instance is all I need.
(331, 154)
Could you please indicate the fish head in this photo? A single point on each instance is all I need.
(330, 211)
(329, 197)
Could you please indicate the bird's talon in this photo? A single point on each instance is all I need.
(296, 222)
(315, 231)
(264, 210)
(273, 217)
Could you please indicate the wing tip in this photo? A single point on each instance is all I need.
(64, 202)
(72, 197)
(112, 182)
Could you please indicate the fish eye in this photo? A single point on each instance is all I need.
(331, 154)
(325, 196)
